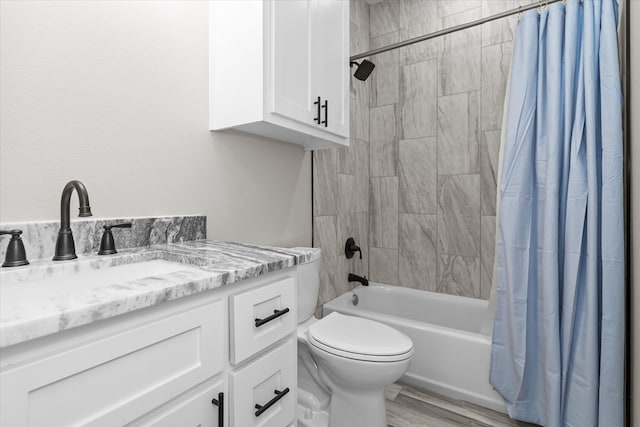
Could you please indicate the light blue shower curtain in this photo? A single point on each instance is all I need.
(558, 341)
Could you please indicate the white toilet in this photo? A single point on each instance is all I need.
(344, 362)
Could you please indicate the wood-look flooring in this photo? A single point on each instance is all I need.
(410, 407)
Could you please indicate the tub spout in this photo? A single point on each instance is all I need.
(355, 278)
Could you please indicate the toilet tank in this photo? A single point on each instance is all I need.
(308, 287)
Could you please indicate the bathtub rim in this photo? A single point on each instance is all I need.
(345, 304)
(432, 294)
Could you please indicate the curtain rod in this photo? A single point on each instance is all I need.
(452, 29)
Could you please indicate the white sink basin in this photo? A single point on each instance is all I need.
(71, 282)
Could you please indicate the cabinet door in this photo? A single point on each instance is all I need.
(195, 410)
(291, 59)
(116, 379)
(330, 63)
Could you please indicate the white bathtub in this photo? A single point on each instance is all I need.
(451, 355)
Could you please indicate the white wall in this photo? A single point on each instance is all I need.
(634, 15)
(115, 94)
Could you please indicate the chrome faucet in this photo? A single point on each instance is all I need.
(65, 246)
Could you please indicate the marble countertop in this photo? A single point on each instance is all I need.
(32, 308)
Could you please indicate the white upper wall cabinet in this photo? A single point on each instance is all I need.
(280, 69)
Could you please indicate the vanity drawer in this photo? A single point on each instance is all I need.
(116, 379)
(262, 316)
(257, 384)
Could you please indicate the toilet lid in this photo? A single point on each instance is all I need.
(359, 338)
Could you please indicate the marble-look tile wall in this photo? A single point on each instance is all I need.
(435, 118)
(341, 179)
(418, 184)
(39, 237)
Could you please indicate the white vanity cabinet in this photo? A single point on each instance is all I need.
(168, 365)
(280, 69)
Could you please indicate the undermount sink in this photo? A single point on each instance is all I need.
(72, 281)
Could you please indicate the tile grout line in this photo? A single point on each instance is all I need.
(399, 131)
(437, 237)
(480, 133)
(368, 106)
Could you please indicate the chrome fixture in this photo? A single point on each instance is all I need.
(354, 299)
(16, 255)
(65, 246)
(517, 10)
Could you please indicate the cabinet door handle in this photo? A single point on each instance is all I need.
(326, 113)
(219, 402)
(275, 315)
(269, 404)
(317, 119)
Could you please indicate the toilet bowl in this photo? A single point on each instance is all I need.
(357, 358)
(344, 363)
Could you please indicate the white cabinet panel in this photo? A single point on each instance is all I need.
(271, 60)
(257, 384)
(235, 62)
(330, 76)
(197, 410)
(292, 60)
(276, 301)
(114, 380)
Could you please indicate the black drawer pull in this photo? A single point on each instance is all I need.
(269, 404)
(275, 315)
(326, 113)
(317, 119)
(219, 402)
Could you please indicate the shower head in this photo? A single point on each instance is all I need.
(364, 69)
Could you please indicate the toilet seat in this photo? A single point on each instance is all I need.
(359, 339)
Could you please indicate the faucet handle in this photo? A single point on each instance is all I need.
(107, 244)
(16, 255)
(350, 248)
(121, 225)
